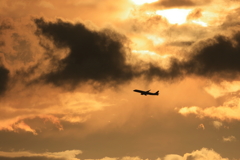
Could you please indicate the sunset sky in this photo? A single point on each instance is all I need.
(68, 70)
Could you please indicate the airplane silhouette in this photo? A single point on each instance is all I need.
(146, 92)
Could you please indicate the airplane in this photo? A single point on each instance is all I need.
(146, 92)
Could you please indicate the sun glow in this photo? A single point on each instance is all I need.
(150, 53)
(224, 88)
(174, 16)
(141, 2)
(155, 39)
(201, 23)
(144, 52)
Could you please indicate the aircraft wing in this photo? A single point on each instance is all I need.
(146, 92)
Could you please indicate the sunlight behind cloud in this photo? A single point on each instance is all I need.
(224, 88)
(175, 16)
(211, 18)
(141, 2)
(150, 53)
(147, 56)
(155, 39)
(201, 23)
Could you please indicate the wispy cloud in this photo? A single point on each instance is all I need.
(217, 124)
(64, 155)
(201, 126)
(17, 124)
(229, 139)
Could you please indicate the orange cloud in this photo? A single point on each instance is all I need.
(230, 110)
(217, 124)
(188, 110)
(94, 10)
(25, 127)
(201, 126)
(173, 156)
(203, 154)
(229, 139)
(223, 88)
(16, 124)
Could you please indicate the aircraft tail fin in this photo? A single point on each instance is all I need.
(157, 93)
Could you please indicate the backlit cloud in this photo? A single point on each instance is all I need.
(229, 139)
(201, 126)
(108, 64)
(173, 156)
(217, 124)
(17, 124)
(230, 110)
(203, 154)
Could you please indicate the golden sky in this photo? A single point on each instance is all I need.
(68, 70)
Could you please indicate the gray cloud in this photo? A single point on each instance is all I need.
(94, 55)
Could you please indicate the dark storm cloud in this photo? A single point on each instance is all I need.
(4, 72)
(94, 55)
(216, 58)
(4, 77)
(100, 56)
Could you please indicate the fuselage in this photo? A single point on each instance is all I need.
(145, 92)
